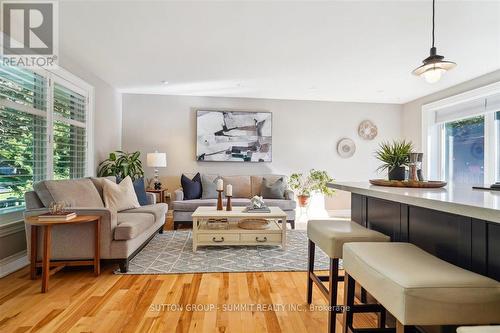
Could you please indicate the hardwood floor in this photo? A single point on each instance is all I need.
(80, 302)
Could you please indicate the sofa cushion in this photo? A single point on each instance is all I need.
(209, 186)
(131, 225)
(191, 205)
(140, 190)
(281, 203)
(121, 196)
(99, 183)
(73, 192)
(158, 210)
(241, 186)
(273, 189)
(256, 182)
(191, 187)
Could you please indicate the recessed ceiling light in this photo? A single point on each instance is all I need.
(164, 82)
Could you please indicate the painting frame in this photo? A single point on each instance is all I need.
(261, 139)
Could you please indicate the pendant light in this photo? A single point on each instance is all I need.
(433, 66)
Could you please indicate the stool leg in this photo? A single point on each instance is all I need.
(363, 295)
(310, 269)
(332, 290)
(349, 284)
(381, 319)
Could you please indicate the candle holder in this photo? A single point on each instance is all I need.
(219, 200)
(229, 206)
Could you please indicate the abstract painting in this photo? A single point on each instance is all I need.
(234, 136)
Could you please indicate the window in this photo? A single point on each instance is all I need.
(464, 150)
(43, 133)
(461, 137)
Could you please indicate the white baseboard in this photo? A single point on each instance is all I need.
(13, 263)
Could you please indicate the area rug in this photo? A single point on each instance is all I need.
(172, 253)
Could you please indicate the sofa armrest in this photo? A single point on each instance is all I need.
(179, 194)
(289, 195)
(151, 198)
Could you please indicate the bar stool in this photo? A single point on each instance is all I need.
(330, 236)
(417, 288)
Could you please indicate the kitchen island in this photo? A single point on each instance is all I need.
(455, 223)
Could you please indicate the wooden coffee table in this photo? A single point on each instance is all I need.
(46, 263)
(203, 236)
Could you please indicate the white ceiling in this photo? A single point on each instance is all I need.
(339, 51)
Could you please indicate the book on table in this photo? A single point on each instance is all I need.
(62, 216)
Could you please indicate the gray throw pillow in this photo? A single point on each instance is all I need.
(274, 190)
(209, 187)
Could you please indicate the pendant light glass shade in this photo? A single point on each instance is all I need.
(434, 66)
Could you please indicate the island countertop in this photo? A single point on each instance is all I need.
(454, 199)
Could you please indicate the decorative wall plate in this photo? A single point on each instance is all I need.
(346, 148)
(367, 130)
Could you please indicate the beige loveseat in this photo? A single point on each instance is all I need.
(123, 234)
(244, 188)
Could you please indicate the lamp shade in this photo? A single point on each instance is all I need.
(157, 160)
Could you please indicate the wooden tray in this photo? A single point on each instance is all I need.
(254, 224)
(408, 183)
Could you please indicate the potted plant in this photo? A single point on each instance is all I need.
(395, 156)
(303, 185)
(121, 164)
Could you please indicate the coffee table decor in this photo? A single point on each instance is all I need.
(254, 224)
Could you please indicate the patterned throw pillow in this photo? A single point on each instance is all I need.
(274, 190)
(191, 187)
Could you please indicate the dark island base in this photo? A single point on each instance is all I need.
(463, 241)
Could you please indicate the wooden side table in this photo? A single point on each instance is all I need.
(161, 193)
(46, 226)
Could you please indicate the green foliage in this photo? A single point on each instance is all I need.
(394, 154)
(315, 181)
(122, 164)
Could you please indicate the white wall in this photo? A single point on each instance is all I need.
(412, 112)
(305, 134)
(107, 111)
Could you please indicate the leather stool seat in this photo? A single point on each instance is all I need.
(331, 235)
(420, 289)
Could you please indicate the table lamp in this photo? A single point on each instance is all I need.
(157, 160)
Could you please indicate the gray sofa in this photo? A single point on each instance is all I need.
(123, 234)
(244, 187)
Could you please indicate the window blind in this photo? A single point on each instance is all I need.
(70, 144)
(23, 134)
(469, 109)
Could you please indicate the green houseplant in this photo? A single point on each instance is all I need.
(304, 184)
(121, 164)
(395, 156)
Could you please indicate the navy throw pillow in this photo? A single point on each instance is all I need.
(191, 187)
(140, 190)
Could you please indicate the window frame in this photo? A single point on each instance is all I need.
(78, 85)
(433, 134)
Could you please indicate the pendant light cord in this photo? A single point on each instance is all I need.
(433, 18)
